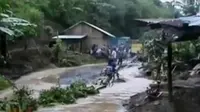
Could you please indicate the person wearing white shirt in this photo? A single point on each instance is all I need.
(114, 55)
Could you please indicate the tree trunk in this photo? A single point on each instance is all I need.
(3, 44)
(169, 76)
(26, 44)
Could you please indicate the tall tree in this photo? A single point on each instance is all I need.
(189, 7)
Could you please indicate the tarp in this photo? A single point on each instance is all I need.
(114, 42)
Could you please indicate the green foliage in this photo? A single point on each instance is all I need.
(155, 50)
(115, 16)
(184, 51)
(187, 7)
(59, 50)
(4, 83)
(22, 101)
(22, 98)
(13, 26)
(65, 95)
(154, 47)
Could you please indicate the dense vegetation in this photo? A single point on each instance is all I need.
(155, 48)
(23, 101)
(115, 16)
(4, 83)
(185, 54)
(66, 95)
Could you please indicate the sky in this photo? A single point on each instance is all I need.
(169, 0)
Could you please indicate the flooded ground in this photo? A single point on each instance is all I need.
(110, 99)
(86, 74)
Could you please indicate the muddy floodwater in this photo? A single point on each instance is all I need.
(110, 99)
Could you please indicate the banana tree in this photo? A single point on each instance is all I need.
(156, 52)
(11, 28)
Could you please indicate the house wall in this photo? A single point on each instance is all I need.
(93, 35)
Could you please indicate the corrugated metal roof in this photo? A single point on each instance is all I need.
(93, 26)
(164, 21)
(101, 30)
(69, 36)
(185, 33)
(191, 20)
(154, 20)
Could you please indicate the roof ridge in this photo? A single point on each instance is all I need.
(93, 26)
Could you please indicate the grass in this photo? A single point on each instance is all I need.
(4, 84)
(136, 47)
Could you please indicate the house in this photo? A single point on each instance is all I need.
(74, 42)
(85, 35)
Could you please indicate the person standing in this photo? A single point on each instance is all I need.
(120, 56)
(112, 59)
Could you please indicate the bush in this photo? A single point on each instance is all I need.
(66, 95)
(22, 101)
(4, 83)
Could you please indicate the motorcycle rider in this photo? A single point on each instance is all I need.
(112, 61)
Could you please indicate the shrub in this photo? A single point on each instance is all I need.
(4, 83)
(65, 95)
(22, 101)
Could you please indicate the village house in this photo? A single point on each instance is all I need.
(83, 35)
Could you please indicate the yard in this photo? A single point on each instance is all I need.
(136, 47)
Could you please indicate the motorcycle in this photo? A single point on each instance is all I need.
(111, 76)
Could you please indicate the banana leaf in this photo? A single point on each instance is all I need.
(7, 31)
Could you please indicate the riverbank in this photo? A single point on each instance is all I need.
(185, 97)
(137, 103)
(23, 62)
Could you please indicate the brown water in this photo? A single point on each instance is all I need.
(110, 99)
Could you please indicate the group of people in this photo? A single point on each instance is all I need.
(117, 55)
(98, 51)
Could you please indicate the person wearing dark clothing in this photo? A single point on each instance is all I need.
(94, 49)
(120, 57)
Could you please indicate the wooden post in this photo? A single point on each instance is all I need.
(169, 75)
(3, 44)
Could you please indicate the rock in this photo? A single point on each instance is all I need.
(163, 85)
(137, 105)
(156, 102)
(161, 105)
(190, 83)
